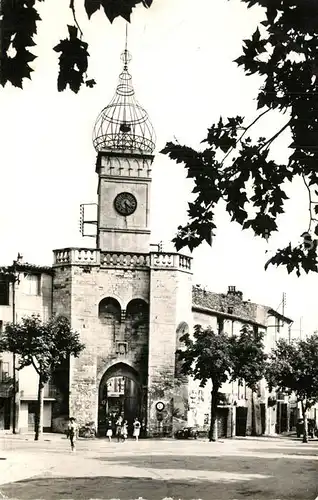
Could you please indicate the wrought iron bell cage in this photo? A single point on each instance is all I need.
(124, 125)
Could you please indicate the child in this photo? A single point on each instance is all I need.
(109, 432)
(137, 426)
(124, 431)
(72, 431)
(118, 428)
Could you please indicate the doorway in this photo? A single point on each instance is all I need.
(120, 393)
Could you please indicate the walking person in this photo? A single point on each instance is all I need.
(137, 426)
(119, 423)
(72, 432)
(124, 431)
(109, 432)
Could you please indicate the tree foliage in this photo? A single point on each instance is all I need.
(18, 29)
(43, 345)
(233, 167)
(293, 368)
(221, 358)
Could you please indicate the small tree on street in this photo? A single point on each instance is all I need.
(220, 358)
(293, 368)
(43, 345)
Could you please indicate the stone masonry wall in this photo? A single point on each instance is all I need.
(170, 304)
(89, 285)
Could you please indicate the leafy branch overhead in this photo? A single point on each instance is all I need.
(233, 167)
(18, 29)
(284, 52)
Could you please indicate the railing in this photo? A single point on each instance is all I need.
(86, 256)
(123, 260)
(126, 260)
(170, 260)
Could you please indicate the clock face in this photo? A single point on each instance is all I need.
(125, 203)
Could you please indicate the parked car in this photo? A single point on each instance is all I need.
(186, 433)
(312, 429)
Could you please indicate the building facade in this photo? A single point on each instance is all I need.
(131, 306)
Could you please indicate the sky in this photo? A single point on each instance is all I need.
(184, 75)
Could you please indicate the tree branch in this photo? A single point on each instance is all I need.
(242, 135)
(36, 368)
(72, 7)
(272, 139)
(310, 201)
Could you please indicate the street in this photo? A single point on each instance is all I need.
(249, 469)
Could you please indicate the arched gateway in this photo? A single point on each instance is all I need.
(120, 393)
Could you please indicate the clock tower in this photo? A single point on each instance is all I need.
(124, 140)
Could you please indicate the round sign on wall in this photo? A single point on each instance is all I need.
(160, 406)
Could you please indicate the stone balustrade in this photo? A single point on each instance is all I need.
(126, 260)
(164, 260)
(77, 256)
(123, 260)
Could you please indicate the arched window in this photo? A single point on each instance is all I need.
(182, 329)
(137, 312)
(109, 311)
(137, 333)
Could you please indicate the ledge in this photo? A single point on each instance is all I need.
(121, 260)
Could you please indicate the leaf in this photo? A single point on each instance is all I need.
(116, 8)
(92, 6)
(17, 28)
(73, 62)
(90, 83)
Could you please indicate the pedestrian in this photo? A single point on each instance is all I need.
(136, 426)
(124, 431)
(72, 432)
(109, 432)
(118, 427)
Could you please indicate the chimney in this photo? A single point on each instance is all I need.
(234, 293)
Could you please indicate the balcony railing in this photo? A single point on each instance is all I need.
(121, 260)
(79, 256)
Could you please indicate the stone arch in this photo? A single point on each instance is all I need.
(137, 333)
(137, 310)
(109, 314)
(120, 392)
(109, 310)
(109, 367)
(182, 329)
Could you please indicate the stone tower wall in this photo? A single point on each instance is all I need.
(78, 291)
(170, 304)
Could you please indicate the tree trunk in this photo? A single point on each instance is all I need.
(304, 412)
(213, 434)
(39, 412)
